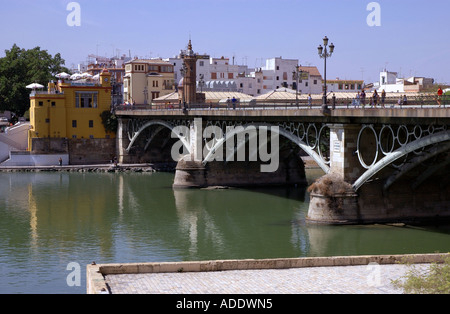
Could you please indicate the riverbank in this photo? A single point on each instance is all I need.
(88, 168)
(146, 167)
(370, 274)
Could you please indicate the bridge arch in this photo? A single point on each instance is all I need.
(174, 130)
(280, 131)
(434, 138)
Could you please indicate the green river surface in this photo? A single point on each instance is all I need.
(53, 224)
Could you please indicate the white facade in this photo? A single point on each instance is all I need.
(390, 83)
(277, 73)
(251, 84)
(344, 86)
(15, 138)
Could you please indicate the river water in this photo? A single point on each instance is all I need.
(53, 224)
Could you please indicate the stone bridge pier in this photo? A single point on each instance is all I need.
(384, 173)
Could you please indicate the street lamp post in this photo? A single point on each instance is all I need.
(201, 82)
(324, 54)
(145, 92)
(296, 76)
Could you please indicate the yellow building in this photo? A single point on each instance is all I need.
(70, 110)
(147, 79)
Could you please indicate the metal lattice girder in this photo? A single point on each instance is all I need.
(431, 139)
(436, 150)
(290, 131)
(135, 129)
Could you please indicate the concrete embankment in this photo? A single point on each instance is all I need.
(338, 274)
(89, 168)
(144, 167)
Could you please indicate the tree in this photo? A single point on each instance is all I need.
(20, 68)
(109, 121)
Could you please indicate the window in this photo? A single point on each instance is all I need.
(74, 136)
(341, 86)
(86, 99)
(315, 82)
(214, 76)
(230, 75)
(53, 103)
(74, 123)
(41, 103)
(201, 63)
(91, 123)
(167, 69)
(47, 120)
(155, 83)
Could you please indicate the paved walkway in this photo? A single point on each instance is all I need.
(365, 279)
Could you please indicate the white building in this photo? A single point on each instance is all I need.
(279, 73)
(213, 74)
(344, 86)
(252, 83)
(390, 83)
(219, 74)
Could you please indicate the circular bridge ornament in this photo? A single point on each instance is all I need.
(387, 136)
(358, 146)
(324, 143)
(314, 137)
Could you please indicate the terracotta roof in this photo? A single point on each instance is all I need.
(312, 70)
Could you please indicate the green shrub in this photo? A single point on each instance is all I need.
(435, 280)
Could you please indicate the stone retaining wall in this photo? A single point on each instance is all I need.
(96, 281)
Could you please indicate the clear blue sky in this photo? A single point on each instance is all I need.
(412, 38)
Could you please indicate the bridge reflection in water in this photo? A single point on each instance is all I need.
(49, 220)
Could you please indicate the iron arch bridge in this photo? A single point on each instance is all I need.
(312, 138)
(400, 147)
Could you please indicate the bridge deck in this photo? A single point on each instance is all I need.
(341, 114)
